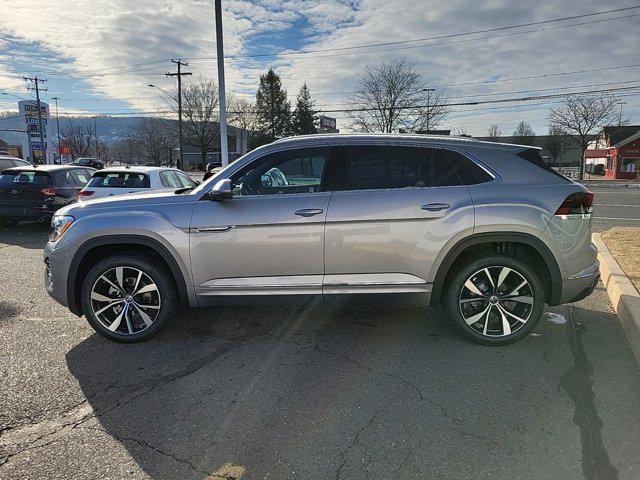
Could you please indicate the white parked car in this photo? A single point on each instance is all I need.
(122, 180)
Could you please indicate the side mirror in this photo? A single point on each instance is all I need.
(221, 191)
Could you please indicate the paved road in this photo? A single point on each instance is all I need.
(616, 206)
(309, 393)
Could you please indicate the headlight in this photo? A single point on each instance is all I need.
(59, 225)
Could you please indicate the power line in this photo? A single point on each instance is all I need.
(453, 35)
(627, 91)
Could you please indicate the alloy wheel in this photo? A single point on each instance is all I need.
(496, 301)
(125, 300)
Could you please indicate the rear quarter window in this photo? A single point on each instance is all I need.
(469, 172)
(532, 155)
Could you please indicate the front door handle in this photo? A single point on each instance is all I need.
(309, 212)
(435, 207)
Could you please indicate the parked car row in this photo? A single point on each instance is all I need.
(29, 192)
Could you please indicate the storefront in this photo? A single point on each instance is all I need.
(621, 161)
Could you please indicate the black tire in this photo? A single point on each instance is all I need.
(153, 271)
(462, 303)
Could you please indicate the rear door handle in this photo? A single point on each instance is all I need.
(435, 207)
(309, 212)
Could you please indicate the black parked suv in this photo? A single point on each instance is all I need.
(89, 162)
(35, 193)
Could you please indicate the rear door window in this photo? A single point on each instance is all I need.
(384, 167)
(119, 180)
(80, 177)
(64, 178)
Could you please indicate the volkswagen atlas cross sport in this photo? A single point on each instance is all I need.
(486, 230)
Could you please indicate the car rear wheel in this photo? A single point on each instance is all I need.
(495, 300)
(128, 298)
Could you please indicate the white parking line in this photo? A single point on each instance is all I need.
(615, 205)
(617, 218)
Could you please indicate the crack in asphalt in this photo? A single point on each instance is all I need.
(578, 384)
(356, 439)
(58, 429)
(144, 443)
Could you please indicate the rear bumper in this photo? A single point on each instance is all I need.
(26, 212)
(581, 284)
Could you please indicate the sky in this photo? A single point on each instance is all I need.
(99, 56)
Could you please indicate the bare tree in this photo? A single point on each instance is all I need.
(128, 147)
(79, 137)
(395, 95)
(200, 114)
(553, 142)
(494, 132)
(581, 117)
(524, 134)
(242, 113)
(150, 133)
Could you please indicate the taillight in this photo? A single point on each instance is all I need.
(50, 192)
(85, 193)
(579, 203)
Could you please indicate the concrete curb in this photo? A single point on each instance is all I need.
(623, 295)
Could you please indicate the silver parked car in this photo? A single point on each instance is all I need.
(486, 230)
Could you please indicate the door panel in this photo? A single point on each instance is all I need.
(258, 236)
(269, 238)
(387, 231)
(385, 240)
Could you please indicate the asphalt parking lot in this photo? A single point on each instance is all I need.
(309, 392)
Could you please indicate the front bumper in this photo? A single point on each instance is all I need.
(581, 284)
(57, 259)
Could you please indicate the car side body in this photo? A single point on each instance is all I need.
(385, 244)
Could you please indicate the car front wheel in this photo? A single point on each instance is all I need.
(495, 300)
(128, 298)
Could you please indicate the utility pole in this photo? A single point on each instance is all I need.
(179, 74)
(58, 127)
(224, 154)
(428, 90)
(95, 136)
(36, 81)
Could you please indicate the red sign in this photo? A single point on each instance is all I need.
(65, 150)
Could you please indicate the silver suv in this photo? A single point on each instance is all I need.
(486, 230)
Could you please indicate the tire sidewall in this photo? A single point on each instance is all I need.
(154, 271)
(453, 293)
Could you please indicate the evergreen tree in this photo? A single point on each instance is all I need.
(273, 108)
(304, 113)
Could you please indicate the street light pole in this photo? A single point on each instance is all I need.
(224, 154)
